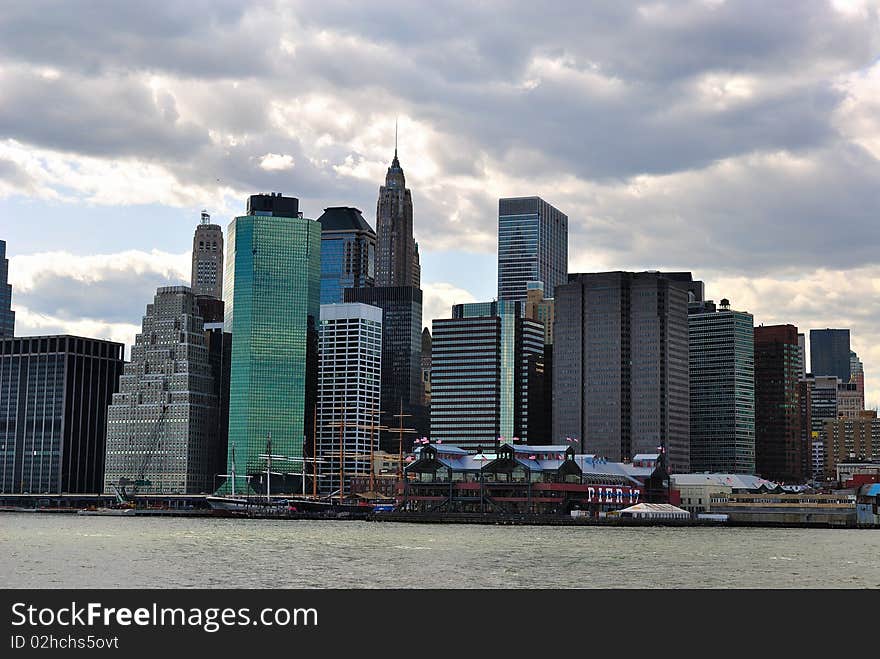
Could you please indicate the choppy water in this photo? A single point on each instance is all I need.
(55, 551)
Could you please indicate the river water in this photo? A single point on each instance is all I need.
(71, 551)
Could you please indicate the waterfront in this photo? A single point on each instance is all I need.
(57, 551)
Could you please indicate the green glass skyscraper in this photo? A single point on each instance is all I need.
(272, 291)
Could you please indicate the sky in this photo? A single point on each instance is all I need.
(737, 140)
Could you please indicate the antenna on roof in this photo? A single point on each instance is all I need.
(395, 138)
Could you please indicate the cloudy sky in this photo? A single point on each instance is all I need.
(738, 140)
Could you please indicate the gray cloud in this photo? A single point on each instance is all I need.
(70, 299)
(674, 135)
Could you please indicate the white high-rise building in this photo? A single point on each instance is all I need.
(349, 391)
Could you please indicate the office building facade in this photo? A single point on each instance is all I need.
(7, 315)
(722, 389)
(779, 447)
(349, 393)
(622, 387)
(532, 246)
(272, 293)
(486, 376)
(829, 353)
(163, 422)
(818, 402)
(348, 252)
(207, 259)
(848, 440)
(401, 358)
(802, 353)
(54, 393)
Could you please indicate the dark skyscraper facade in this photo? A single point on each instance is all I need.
(532, 247)
(401, 354)
(398, 252)
(348, 253)
(7, 315)
(779, 448)
(620, 372)
(54, 393)
(829, 353)
(486, 375)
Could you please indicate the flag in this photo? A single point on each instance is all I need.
(439, 441)
(516, 439)
(533, 457)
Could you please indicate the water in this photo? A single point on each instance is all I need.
(55, 551)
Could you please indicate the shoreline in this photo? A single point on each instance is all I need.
(461, 518)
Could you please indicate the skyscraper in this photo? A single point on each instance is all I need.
(426, 368)
(802, 352)
(857, 374)
(349, 392)
(398, 252)
(401, 356)
(272, 292)
(779, 448)
(722, 388)
(532, 246)
(54, 393)
(620, 376)
(486, 375)
(7, 315)
(818, 403)
(829, 353)
(540, 308)
(163, 422)
(207, 259)
(543, 310)
(348, 252)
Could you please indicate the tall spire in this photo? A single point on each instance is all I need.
(395, 162)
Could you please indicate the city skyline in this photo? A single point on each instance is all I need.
(736, 173)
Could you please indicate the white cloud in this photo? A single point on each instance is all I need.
(29, 323)
(438, 298)
(276, 162)
(25, 271)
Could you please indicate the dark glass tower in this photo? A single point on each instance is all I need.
(829, 353)
(401, 355)
(54, 393)
(348, 252)
(7, 315)
(398, 252)
(779, 449)
(272, 294)
(620, 376)
(532, 247)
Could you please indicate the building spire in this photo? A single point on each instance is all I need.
(395, 162)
